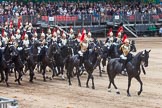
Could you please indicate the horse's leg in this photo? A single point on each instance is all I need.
(100, 71)
(68, 75)
(54, 71)
(15, 75)
(129, 84)
(103, 64)
(6, 74)
(109, 86)
(141, 84)
(44, 71)
(2, 76)
(93, 87)
(89, 76)
(20, 75)
(112, 81)
(62, 73)
(31, 74)
(78, 76)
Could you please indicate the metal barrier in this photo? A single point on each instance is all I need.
(82, 19)
(8, 103)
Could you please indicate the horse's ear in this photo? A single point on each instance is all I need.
(149, 51)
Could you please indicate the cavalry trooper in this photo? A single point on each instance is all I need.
(11, 29)
(119, 35)
(29, 30)
(35, 36)
(89, 36)
(58, 32)
(49, 36)
(18, 38)
(78, 36)
(26, 25)
(83, 48)
(54, 35)
(71, 34)
(6, 26)
(26, 42)
(125, 49)
(110, 39)
(12, 41)
(43, 40)
(4, 37)
(64, 39)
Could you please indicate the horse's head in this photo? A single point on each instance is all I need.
(145, 57)
(13, 52)
(133, 47)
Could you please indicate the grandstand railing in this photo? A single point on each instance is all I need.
(82, 20)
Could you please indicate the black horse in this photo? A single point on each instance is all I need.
(47, 59)
(15, 58)
(133, 69)
(60, 57)
(4, 68)
(90, 61)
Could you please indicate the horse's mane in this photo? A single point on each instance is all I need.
(136, 57)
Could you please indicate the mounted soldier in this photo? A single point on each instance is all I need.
(54, 35)
(125, 49)
(83, 48)
(29, 31)
(119, 34)
(49, 36)
(6, 26)
(4, 37)
(89, 36)
(71, 34)
(18, 38)
(64, 39)
(26, 42)
(110, 39)
(12, 41)
(43, 40)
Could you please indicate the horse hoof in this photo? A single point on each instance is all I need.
(31, 81)
(139, 93)
(87, 86)
(93, 87)
(50, 78)
(117, 92)
(70, 84)
(35, 78)
(79, 85)
(128, 95)
(109, 90)
(16, 80)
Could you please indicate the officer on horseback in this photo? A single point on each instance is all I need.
(110, 39)
(125, 49)
(26, 41)
(54, 35)
(49, 36)
(83, 48)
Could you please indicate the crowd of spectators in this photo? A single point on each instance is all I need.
(77, 8)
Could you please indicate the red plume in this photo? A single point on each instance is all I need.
(2, 32)
(18, 25)
(110, 30)
(124, 38)
(82, 37)
(23, 36)
(11, 24)
(53, 31)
